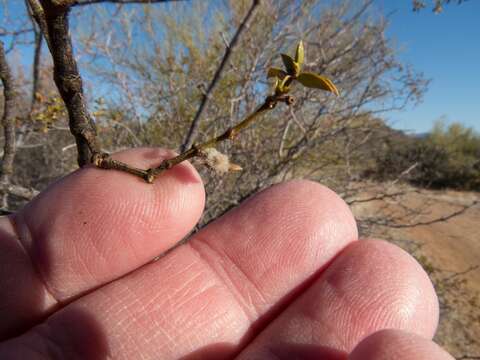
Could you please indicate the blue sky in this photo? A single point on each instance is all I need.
(446, 48)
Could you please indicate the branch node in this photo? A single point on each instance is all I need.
(150, 176)
(71, 83)
(99, 160)
(271, 101)
(290, 100)
(232, 134)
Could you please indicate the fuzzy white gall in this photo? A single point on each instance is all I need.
(217, 161)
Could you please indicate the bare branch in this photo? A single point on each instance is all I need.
(375, 198)
(4, 32)
(104, 161)
(8, 119)
(66, 74)
(436, 220)
(8, 123)
(38, 40)
(36, 11)
(121, 2)
(192, 132)
(20, 191)
(36, 69)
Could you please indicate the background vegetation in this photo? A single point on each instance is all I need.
(146, 69)
(447, 157)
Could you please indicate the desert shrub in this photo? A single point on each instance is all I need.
(448, 157)
(462, 146)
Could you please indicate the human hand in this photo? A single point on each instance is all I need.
(282, 276)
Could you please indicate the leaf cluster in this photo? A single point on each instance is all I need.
(49, 110)
(293, 72)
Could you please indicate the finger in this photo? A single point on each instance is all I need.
(207, 298)
(89, 228)
(370, 286)
(398, 345)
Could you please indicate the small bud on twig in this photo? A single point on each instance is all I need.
(217, 161)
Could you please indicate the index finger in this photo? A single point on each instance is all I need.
(88, 229)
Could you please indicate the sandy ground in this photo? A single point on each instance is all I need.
(448, 249)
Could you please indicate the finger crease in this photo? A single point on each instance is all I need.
(230, 283)
(18, 222)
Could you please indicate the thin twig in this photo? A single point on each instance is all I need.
(104, 161)
(8, 122)
(36, 11)
(192, 132)
(405, 173)
(295, 120)
(20, 191)
(36, 69)
(4, 32)
(375, 198)
(122, 2)
(70, 146)
(284, 138)
(436, 220)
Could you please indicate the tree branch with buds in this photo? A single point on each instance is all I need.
(206, 151)
(52, 18)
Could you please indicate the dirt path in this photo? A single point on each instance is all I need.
(449, 250)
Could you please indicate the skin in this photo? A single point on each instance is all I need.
(282, 276)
